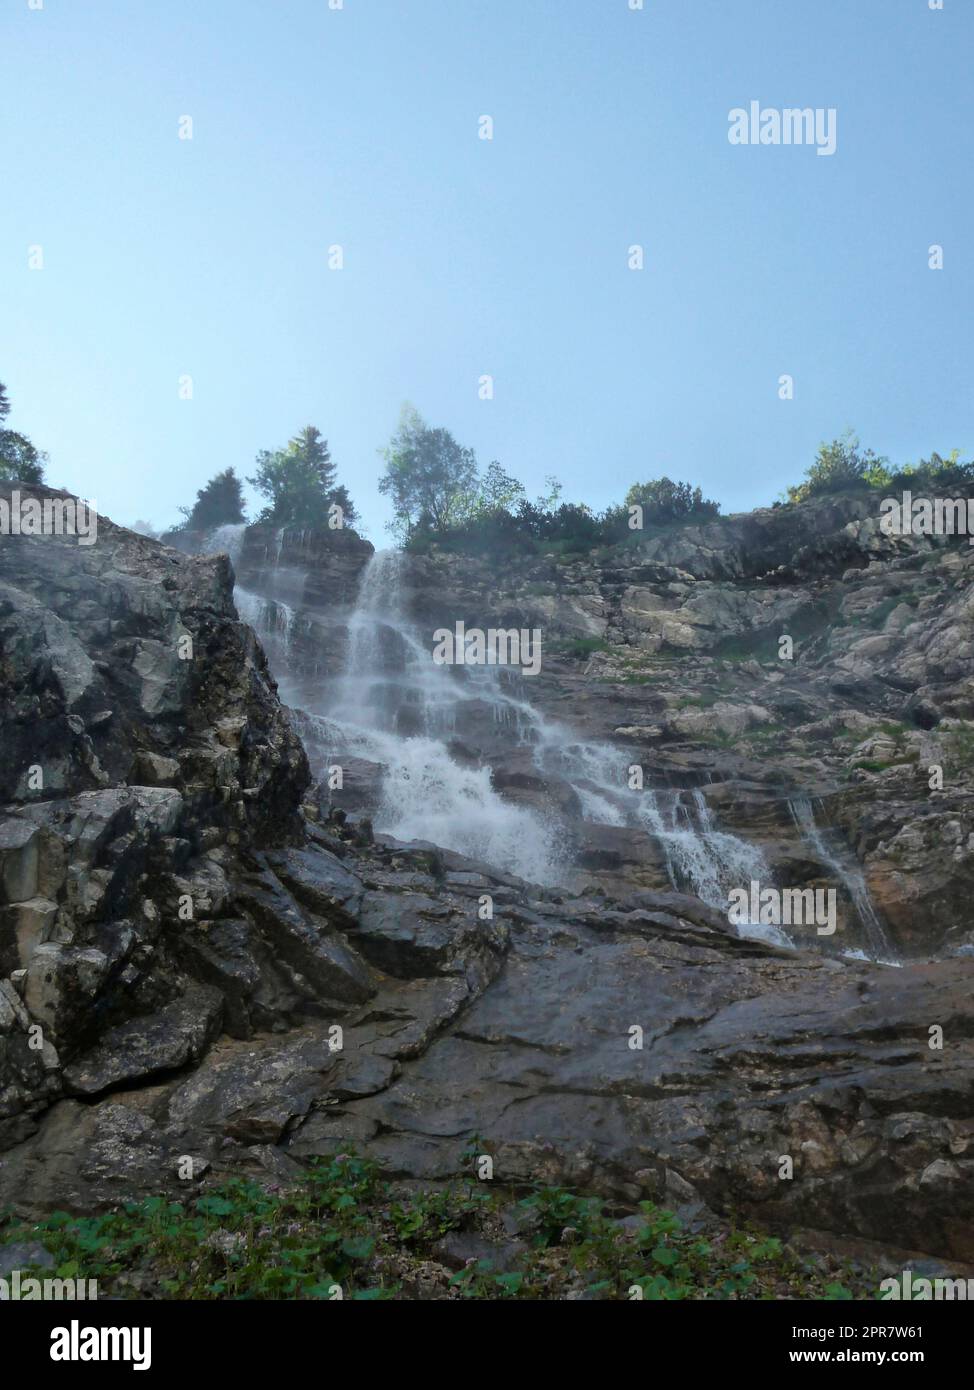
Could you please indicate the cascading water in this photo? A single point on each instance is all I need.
(271, 617)
(699, 854)
(847, 870)
(228, 538)
(700, 858)
(395, 707)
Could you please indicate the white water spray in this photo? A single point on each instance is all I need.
(848, 872)
(395, 707)
(227, 538)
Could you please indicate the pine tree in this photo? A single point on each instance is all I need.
(219, 503)
(299, 482)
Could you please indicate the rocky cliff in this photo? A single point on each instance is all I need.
(673, 647)
(209, 966)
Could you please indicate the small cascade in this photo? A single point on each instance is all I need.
(227, 538)
(394, 707)
(878, 946)
(700, 858)
(708, 861)
(269, 617)
(390, 682)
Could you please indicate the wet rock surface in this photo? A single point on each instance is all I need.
(634, 1050)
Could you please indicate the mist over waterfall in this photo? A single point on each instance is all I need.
(393, 707)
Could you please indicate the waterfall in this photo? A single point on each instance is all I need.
(271, 617)
(228, 538)
(846, 869)
(394, 707)
(390, 683)
(700, 858)
(711, 861)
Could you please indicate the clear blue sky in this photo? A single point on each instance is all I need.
(358, 126)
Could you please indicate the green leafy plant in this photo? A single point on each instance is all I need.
(344, 1229)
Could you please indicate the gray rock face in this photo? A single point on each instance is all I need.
(318, 956)
(122, 661)
(198, 978)
(412, 935)
(163, 1041)
(124, 655)
(320, 881)
(743, 1061)
(316, 574)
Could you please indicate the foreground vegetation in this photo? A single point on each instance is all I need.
(344, 1231)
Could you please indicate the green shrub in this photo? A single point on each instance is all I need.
(843, 465)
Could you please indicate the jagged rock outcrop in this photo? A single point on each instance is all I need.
(327, 563)
(145, 748)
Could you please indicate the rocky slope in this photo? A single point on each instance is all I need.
(209, 968)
